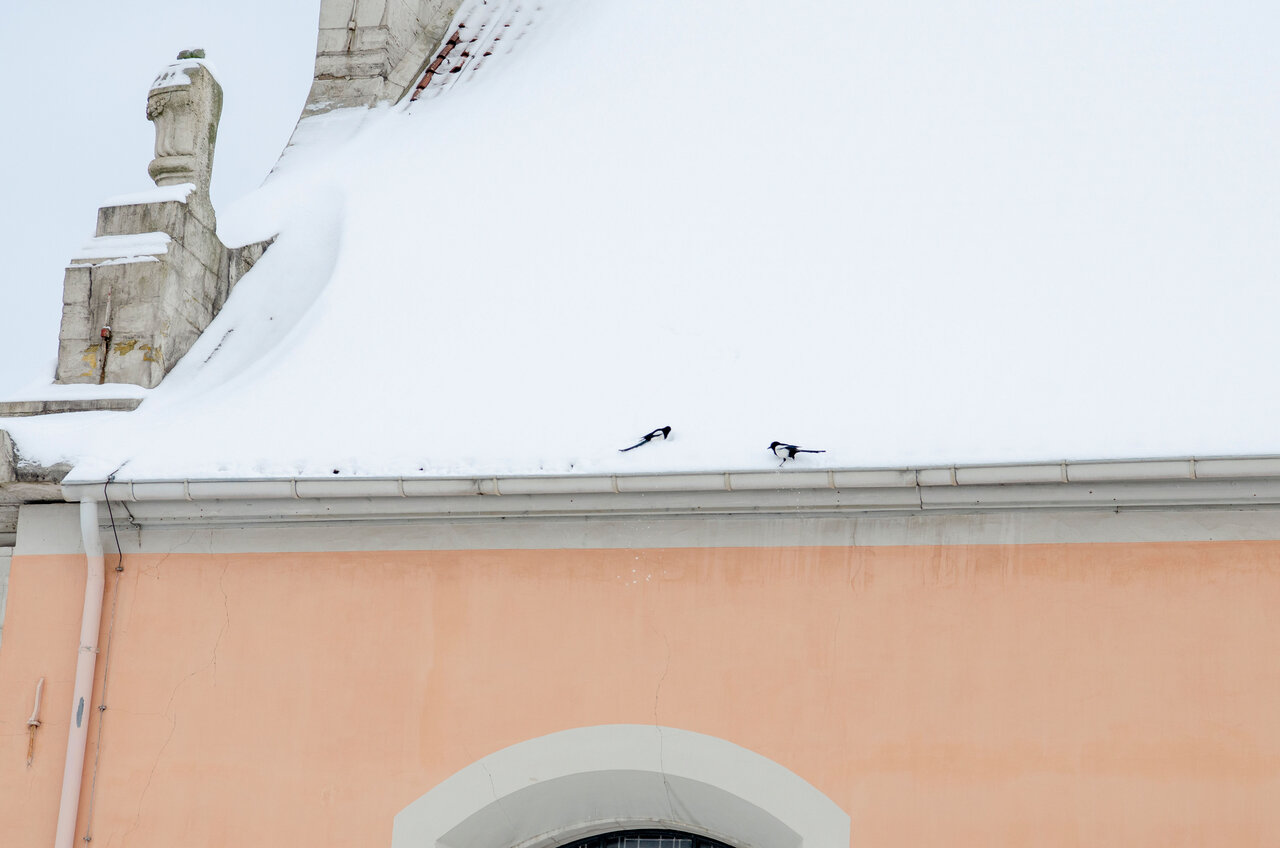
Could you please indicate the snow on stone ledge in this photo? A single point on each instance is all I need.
(159, 194)
(42, 390)
(139, 247)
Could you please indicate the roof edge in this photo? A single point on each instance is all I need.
(1170, 483)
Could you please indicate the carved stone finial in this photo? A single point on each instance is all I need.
(139, 294)
(185, 103)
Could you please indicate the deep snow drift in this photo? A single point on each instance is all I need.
(903, 235)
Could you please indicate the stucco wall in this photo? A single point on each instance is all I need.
(1085, 694)
(6, 553)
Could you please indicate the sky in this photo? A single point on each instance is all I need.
(74, 131)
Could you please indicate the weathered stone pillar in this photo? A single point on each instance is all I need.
(372, 51)
(139, 294)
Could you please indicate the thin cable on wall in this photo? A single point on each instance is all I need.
(106, 664)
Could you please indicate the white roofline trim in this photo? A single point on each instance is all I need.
(1186, 482)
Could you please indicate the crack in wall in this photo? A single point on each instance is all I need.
(167, 711)
(154, 570)
(226, 620)
(493, 789)
(137, 815)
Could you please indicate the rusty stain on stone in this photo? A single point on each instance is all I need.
(90, 358)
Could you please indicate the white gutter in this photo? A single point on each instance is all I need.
(86, 660)
(1186, 480)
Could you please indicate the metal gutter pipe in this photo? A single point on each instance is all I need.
(929, 482)
(86, 660)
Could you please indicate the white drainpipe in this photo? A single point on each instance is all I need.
(86, 660)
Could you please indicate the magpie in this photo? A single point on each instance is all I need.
(788, 451)
(660, 433)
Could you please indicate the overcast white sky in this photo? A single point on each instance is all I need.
(73, 130)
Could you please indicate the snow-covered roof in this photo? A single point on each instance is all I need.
(905, 236)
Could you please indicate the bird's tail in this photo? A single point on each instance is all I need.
(803, 450)
(633, 447)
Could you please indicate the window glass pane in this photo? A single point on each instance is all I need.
(647, 839)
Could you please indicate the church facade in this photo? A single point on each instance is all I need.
(761, 669)
(1057, 654)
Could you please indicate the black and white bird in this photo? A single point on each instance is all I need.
(789, 451)
(660, 433)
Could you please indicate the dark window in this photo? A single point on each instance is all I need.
(646, 839)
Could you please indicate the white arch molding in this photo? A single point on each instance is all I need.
(589, 780)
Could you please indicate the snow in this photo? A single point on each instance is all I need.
(175, 74)
(76, 391)
(139, 247)
(159, 194)
(904, 235)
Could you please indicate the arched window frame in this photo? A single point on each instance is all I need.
(556, 789)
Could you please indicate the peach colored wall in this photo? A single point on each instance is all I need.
(1055, 695)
